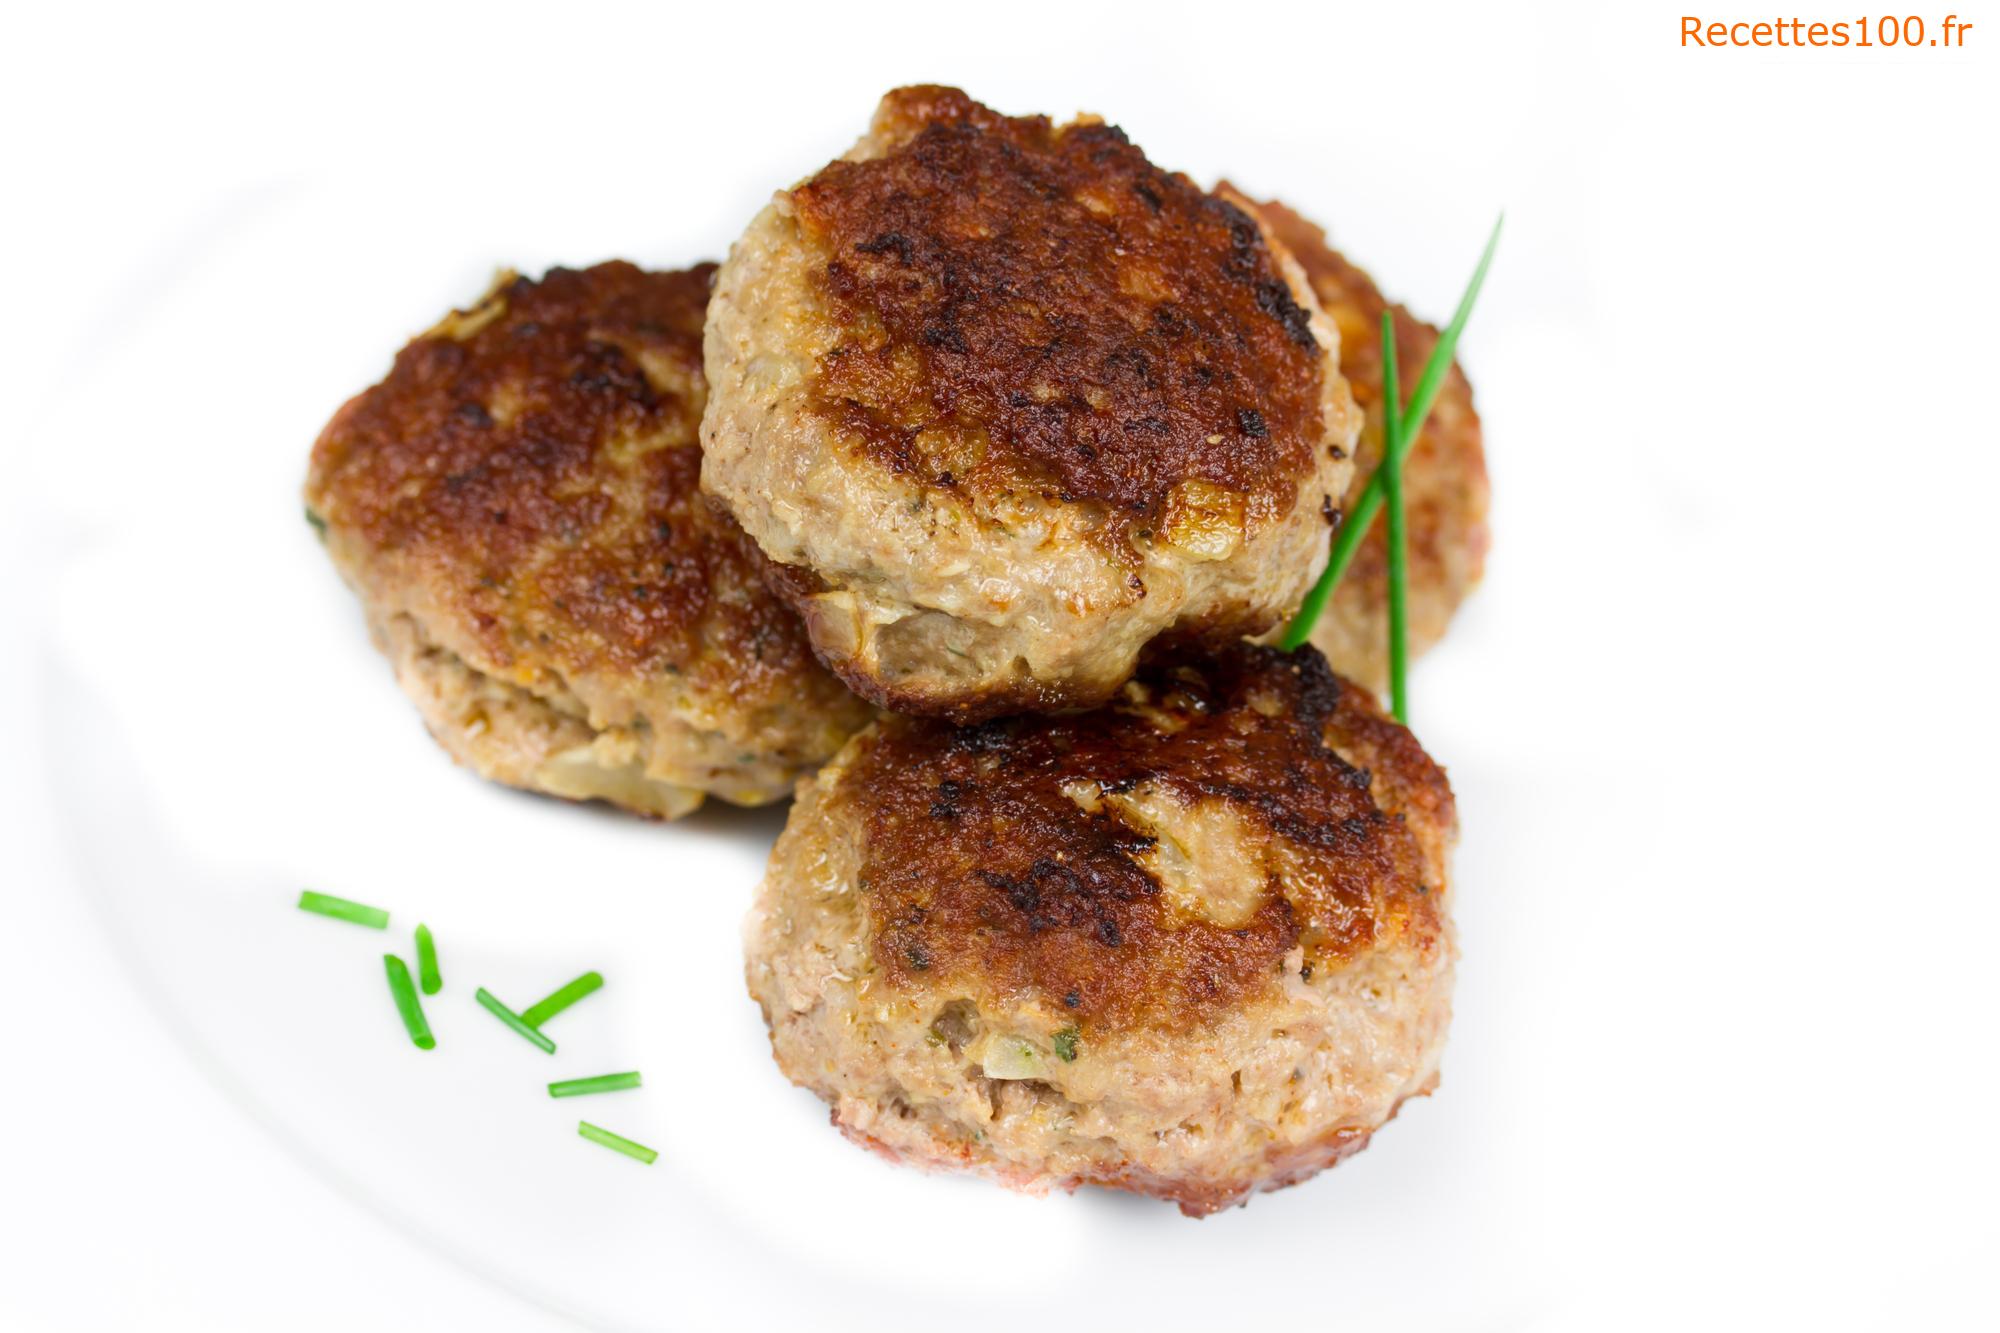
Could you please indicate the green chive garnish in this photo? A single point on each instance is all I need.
(406, 1002)
(340, 909)
(427, 962)
(583, 1087)
(542, 1011)
(1347, 539)
(1065, 1044)
(616, 1143)
(513, 1020)
(1399, 543)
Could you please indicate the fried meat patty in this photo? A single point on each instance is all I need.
(1008, 402)
(1195, 944)
(1444, 477)
(518, 507)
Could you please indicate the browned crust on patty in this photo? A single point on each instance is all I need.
(1031, 306)
(1444, 480)
(532, 465)
(983, 874)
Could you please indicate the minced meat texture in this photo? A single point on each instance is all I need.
(1028, 306)
(534, 463)
(983, 872)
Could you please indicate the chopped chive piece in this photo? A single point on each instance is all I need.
(318, 524)
(1347, 539)
(542, 1011)
(582, 1087)
(340, 909)
(637, 1151)
(513, 1020)
(1399, 542)
(1065, 1044)
(427, 962)
(406, 1002)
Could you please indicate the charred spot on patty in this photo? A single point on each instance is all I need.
(1059, 868)
(1050, 309)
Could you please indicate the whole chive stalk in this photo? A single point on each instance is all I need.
(513, 1020)
(583, 1087)
(428, 975)
(543, 1010)
(1399, 543)
(617, 1143)
(406, 1002)
(1347, 539)
(340, 909)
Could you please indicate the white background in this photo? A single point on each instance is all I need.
(1722, 719)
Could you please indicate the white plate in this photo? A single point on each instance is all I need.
(1720, 721)
(264, 748)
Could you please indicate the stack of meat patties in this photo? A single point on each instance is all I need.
(959, 498)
